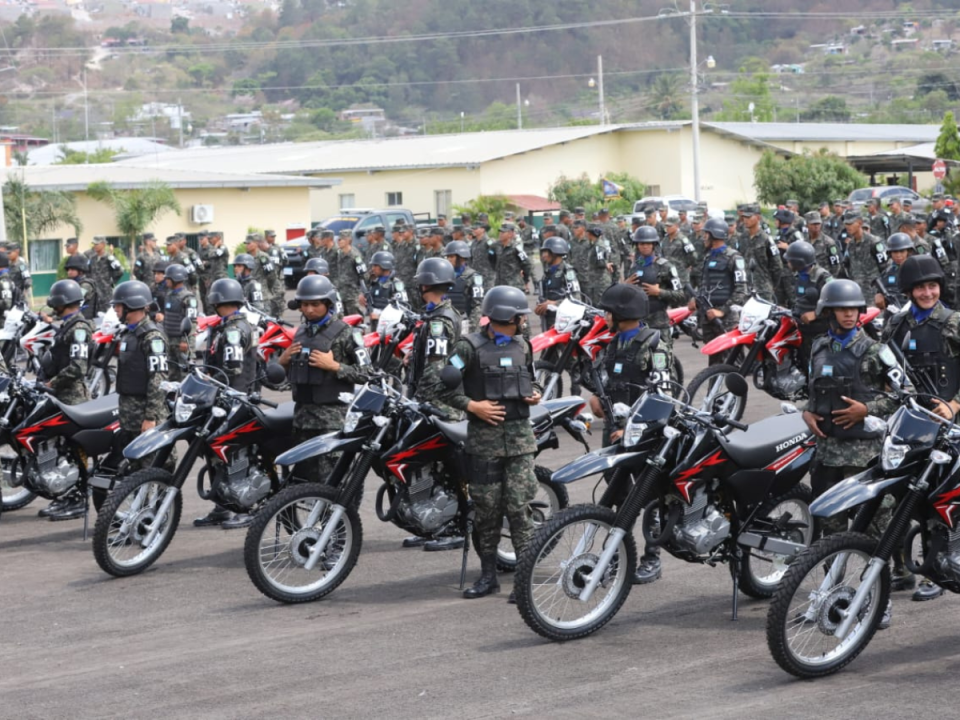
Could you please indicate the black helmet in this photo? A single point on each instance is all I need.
(557, 246)
(317, 265)
(625, 302)
(225, 291)
(63, 293)
(917, 269)
(435, 272)
(4, 260)
(132, 294)
(160, 266)
(77, 262)
(246, 260)
(316, 287)
(503, 303)
(176, 272)
(716, 229)
(900, 241)
(458, 248)
(800, 255)
(842, 294)
(383, 259)
(646, 234)
(784, 216)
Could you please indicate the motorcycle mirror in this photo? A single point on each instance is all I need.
(788, 408)
(451, 377)
(185, 327)
(275, 373)
(736, 384)
(293, 304)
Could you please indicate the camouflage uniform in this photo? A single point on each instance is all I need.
(404, 261)
(896, 220)
(880, 226)
(432, 345)
(150, 404)
(763, 257)
(513, 266)
(20, 274)
(252, 292)
(195, 263)
(483, 256)
(143, 266)
(351, 270)
(179, 303)
(502, 478)
(865, 261)
(278, 258)
(92, 304)
(375, 247)
(724, 283)
(71, 354)
(215, 264)
(682, 253)
(105, 271)
(181, 257)
(829, 255)
(231, 348)
(263, 273)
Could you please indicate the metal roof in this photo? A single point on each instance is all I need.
(76, 178)
(915, 158)
(830, 132)
(127, 147)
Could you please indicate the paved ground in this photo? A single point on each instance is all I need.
(192, 637)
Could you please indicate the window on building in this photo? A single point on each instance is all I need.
(347, 201)
(394, 199)
(652, 190)
(44, 255)
(443, 199)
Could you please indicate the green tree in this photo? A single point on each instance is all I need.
(584, 192)
(136, 210)
(79, 157)
(33, 213)
(665, 96)
(180, 25)
(810, 178)
(745, 90)
(948, 142)
(493, 205)
(828, 109)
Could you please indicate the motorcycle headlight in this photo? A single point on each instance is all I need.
(351, 421)
(633, 433)
(182, 411)
(4, 397)
(892, 454)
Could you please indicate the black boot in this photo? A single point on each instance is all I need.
(217, 516)
(487, 583)
(74, 506)
(55, 506)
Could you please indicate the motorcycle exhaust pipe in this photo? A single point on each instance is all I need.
(770, 544)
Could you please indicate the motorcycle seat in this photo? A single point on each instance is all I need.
(756, 447)
(280, 418)
(456, 432)
(94, 414)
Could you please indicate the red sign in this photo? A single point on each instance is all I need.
(939, 169)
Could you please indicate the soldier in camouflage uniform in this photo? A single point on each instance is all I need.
(70, 249)
(179, 304)
(203, 275)
(787, 234)
(64, 369)
(500, 442)
(559, 279)
(467, 292)
(404, 253)
(700, 244)
(20, 273)
(326, 358)
(313, 248)
(243, 267)
(761, 254)
(723, 285)
(376, 242)
(513, 265)
(678, 249)
(76, 268)
(896, 214)
(141, 365)
(686, 229)
(159, 289)
(278, 259)
(148, 257)
(483, 256)
(565, 225)
(879, 222)
(799, 222)
(350, 271)
(829, 256)
(889, 298)
(865, 255)
(263, 271)
(579, 257)
(177, 256)
(190, 260)
(528, 237)
(217, 259)
(808, 280)
(661, 283)
(105, 269)
(942, 248)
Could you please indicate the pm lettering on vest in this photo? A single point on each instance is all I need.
(437, 346)
(158, 363)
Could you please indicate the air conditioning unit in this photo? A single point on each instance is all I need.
(202, 214)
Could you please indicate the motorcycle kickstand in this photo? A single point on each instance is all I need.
(86, 511)
(735, 575)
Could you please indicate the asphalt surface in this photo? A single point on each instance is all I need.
(192, 637)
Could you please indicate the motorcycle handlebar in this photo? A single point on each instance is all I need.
(430, 409)
(258, 400)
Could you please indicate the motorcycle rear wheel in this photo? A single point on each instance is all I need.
(761, 572)
(127, 517)
(553, 569)
(99, 384)
(805, 607)
(12, 497)
(278, 544)
(707, 392)
(544, 370)
(551, 498)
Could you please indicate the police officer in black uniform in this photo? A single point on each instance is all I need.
(231, 348)
(899, 247)
(384, 285)
(179, 303)
(467, 292)
(559, 280)
(808, 282)
(76, 268)
(243, 266)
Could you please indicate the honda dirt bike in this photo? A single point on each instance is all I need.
(102, 371)
(24, 337)
(764, 347)
(833, 596)
(17, 399)
(576, 341)
(237, 441)
(683, 321)
(711, 496)
(306, 540)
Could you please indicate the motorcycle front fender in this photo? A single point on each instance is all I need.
(320, 445)
(853, 491)
(727, 341)
(560, 406)
(548, 339)
(596, 462)
(154, 439)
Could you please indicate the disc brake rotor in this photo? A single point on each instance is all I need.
(575, 574)
(301, 543)
(840, 598)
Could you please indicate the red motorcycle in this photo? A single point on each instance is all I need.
(578, 336)
(763, 346)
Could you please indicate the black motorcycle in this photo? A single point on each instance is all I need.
(236, 439)
(306, 540)
(711, 496)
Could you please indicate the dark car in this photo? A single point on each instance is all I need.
(360, 221)
(885, 193)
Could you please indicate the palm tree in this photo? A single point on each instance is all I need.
(31, 213)
(665, 96)
(136, 210)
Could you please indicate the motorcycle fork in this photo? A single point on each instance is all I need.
(559, 366)
(746, 366)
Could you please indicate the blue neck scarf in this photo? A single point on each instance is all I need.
(458, 271)
(921, 315)
(842, 338)
(499, 339)
(804, 275)
(431, 306)
(551, 269)
(383, 279)
(67, 317)
(627, 335)
(322, 321)
(647, 261)
(716, 251)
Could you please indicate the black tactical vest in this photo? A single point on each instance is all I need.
(218, 350)
(928, 354)
(173, 313)
(500, 374)
(312, 385)
(63, 343)
(554, 285)
(807, 292)
(650, 274)
(91, 301)
(423, 338)
(132, 365)
(718, 277)
(836, 374)
(380, 294)
(463, 295)
(623, 366)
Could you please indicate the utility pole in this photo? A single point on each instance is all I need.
(519, 110)
(694, 101)
(86, 108)
(603, 105)
(180, 123)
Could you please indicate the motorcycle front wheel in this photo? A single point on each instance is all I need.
(99, 382)
(544, 375)
(283, 532)
(708, 392)
(127, 518)
(762, 571)
(812, 600)
(551, 498)
(556, 566)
